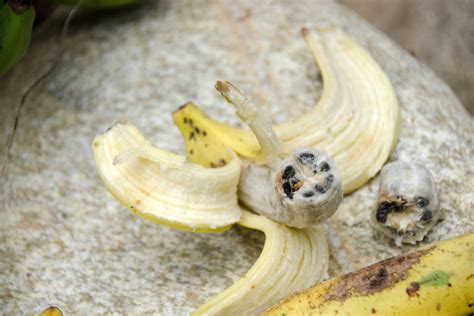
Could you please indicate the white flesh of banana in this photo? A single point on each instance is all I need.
(161, 186)
(291, 260)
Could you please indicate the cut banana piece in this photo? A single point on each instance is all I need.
(291, 260)
(408, 204)
(163, 187)
(356, 121)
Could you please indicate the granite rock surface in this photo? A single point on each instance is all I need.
(64, 241)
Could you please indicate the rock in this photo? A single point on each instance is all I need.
(64, 241)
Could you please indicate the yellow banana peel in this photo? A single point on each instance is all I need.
(437, 279)
(162, 187)
(208, 141)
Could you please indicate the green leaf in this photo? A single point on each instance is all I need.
(15, 34)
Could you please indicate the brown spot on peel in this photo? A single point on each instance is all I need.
(412, 290)
(375, 278)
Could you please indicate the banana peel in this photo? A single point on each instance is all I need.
(291, 259)
(437, 279)
(208, 142)
(356, 121)
(16, 23)
(162, 186)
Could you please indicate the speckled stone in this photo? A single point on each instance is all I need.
(64, 241)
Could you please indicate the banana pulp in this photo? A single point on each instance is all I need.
(356, 121)
(163, 187)
(437, 279)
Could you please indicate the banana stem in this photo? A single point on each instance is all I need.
(255, 119)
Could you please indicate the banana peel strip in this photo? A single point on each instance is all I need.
(291, 260)
(162, 187)
(356, 120)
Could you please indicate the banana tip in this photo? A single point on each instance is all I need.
(182, 106)
(118, 122)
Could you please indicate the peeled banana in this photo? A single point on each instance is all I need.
(356, 121)
(162, 187)
(291, 260)
(437, 279)
(16, 23)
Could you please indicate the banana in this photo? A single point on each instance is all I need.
(291, 260)
(437, 279)
(163, 187)
(16, 23)
(51, 311)
(408, 205)
(356, 121)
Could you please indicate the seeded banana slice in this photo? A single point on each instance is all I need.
(162, 187)
(356, 120)
(291, 260)
(408, 205)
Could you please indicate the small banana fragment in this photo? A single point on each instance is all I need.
(356, 121)
(163, 187)
(291, 260)
(16, 23)
(437, 279)
(408, 202)
(299, 191)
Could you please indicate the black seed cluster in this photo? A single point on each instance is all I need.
(426, 216)
(387, 207)
(327, 184)
(325, 167)
(421, 201)
(308, 194)
(289, 181)
(382, 212)
(306, 158)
